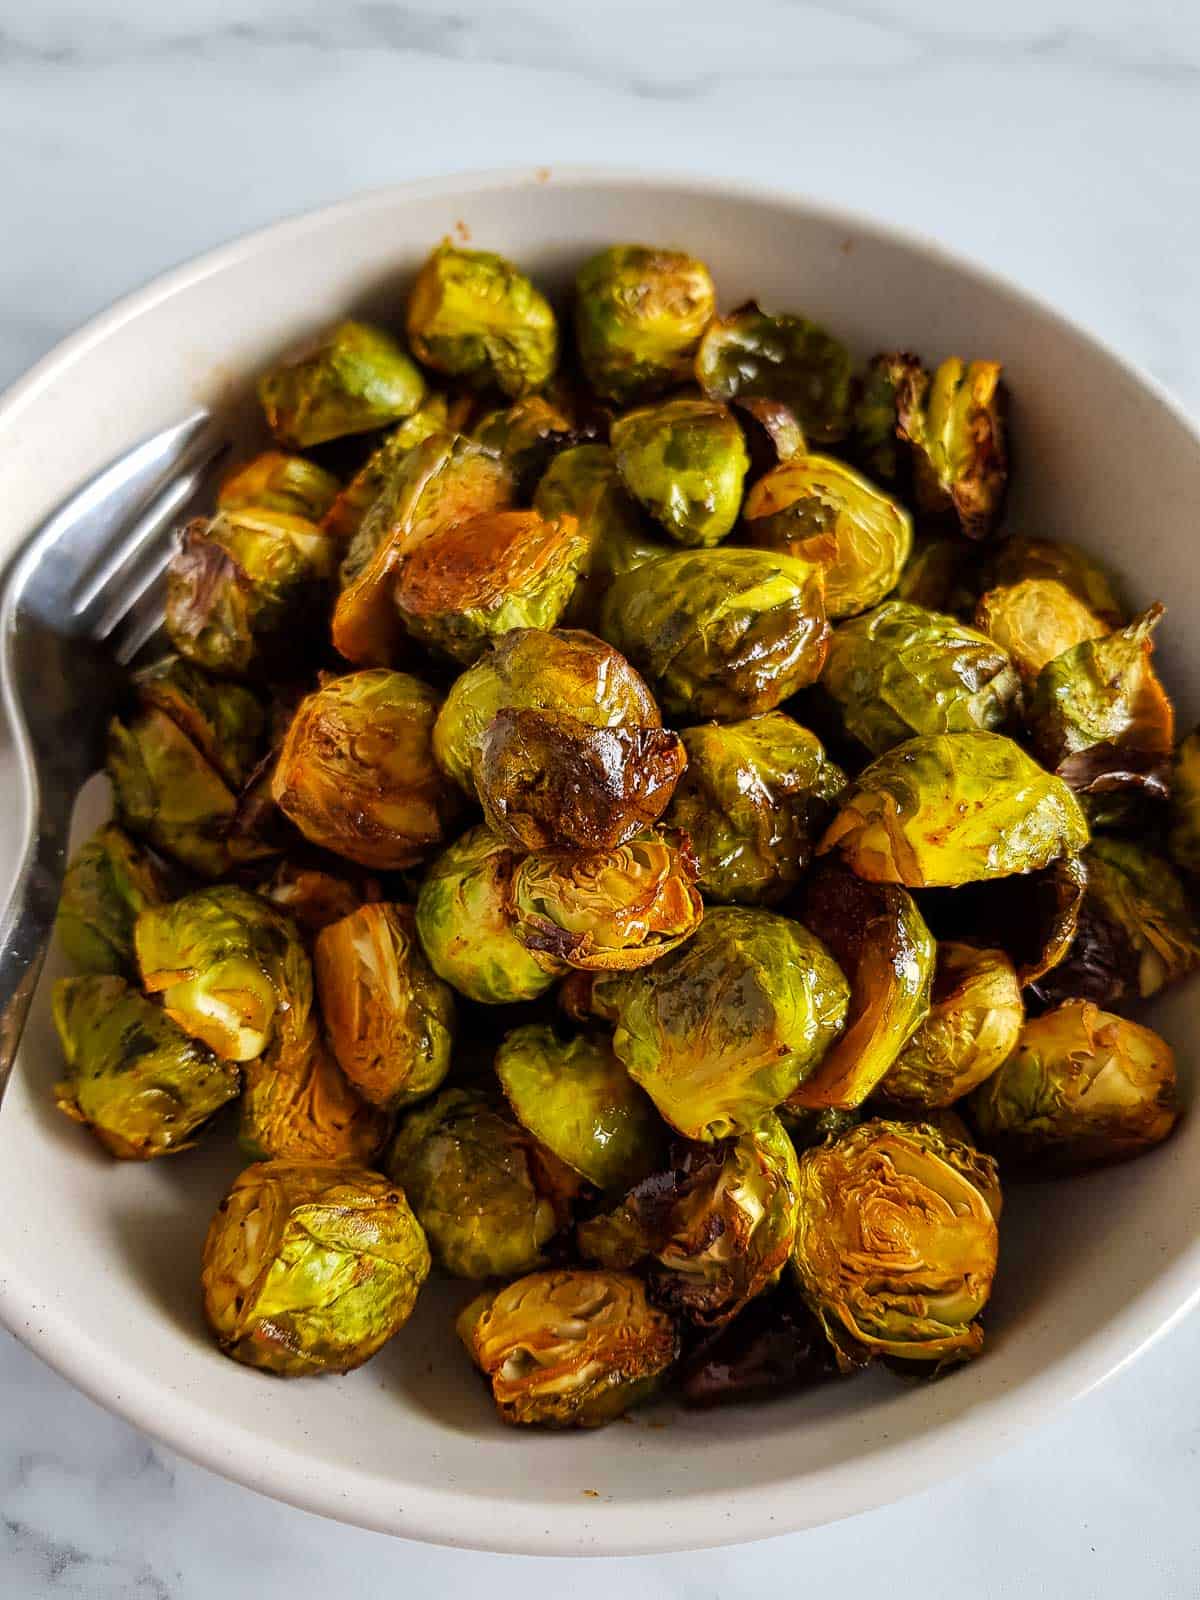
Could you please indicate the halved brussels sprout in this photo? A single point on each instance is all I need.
(940, 575)
(716, 1226)
(901, 670)
(972, 1028)
(606, 910)
(356, 772)
(349, 380)
(139, 1082)
(896, 1244)
(1082, 1088)
(750, 356)
(298, 1105)
(389, 1020)
(166, 793)
(879, 940)
(347, 512)
(467, 924)
(472, 315)
(489, 1197)
(774, 1346)
(1027, 557)
(684, 460)
(107, 885)
(274, 481)
(639, 314)
(311, 1267)
(955, 425)
(889, 386)
(314, 897)
(576, 1098)
(470, 581)
(752, 797)
(1184, 837)
(954, 808)
(725, 1027)
(822, 510)
(224, 721)
(721, 633)
(1035, 620)
(526, 436)
(568, 1349)
(1032, 916)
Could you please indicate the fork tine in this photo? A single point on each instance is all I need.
(141, 626)
(122, 604)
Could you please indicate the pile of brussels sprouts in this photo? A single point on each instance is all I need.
(695, 1046)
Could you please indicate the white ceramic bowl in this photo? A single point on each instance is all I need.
(98, 1260)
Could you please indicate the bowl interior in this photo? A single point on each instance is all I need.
(99, 1260)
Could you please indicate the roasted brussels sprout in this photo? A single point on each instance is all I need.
(351, 379)
(1184, 837)
(896, 1243)
(314, 896)
(716, 1226)
(721, 633)
(568, 1349)
(940, 575)
(526, 436)
(166, 793)
(822, 510)
(274, 481)
(639, 314)
(880, 941)
(774, 1346)
(752, 357)
(472, 315)
(954, 808)
(725, 1027)
(489, 1197)
(1089, 581)
(752, 797)
(225, 721)
(890, 385)
(139, 1082)
(954, 423)
(467, 924)
(345, 515)
(1035, 620)
(356, 772)
(685, 461)
(1082, 1088)
(107, 885)
(576, 1099)
(972, 1028)
(298, 1105)
(1032, 916)
(311, 1267)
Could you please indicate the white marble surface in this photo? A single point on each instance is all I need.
(1056, 140)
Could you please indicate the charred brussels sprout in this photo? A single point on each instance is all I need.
(972, 1028)
(107, 885)
(314, 897)
(141, 1084)
(685, 461)
(526, 436)
(472, 315)
(721, 633)
(725, 1028)
(752, 796)
(822, 510)
(389, 1020)
(298, 1105)
(350, 380)
(773, 1347)
(278, 482)
(639, 314)
(761, 360)
(1025, 557)
(716, 1226)
(954, 423)
(356, 772)
(576, 1099)
(224, 721)
(1082, 1088)
(955, 808)
(1035, 620)
(166, 792)
(896, 1243)
(1184, 836)
(347, 512)
(568, 1349)
(311, 1267)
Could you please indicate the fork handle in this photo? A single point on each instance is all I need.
(25, 929)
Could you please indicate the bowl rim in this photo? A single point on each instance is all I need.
(705, 1518)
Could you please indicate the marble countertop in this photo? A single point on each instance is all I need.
(1055, 140)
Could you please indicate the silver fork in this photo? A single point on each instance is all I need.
(79, 600)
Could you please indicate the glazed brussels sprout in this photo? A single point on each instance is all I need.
(1032, 916)
(890, 385)
(356, 772)
(896, 1244)
(348, 510)
(940, 576)
(1184, 837)
(472, 315)
(489, 1197)
(880, 941)
(311, 1267)
(313, 897)
(822, 510)
(134, 1078)
(274, 481)
(389, 1020)
(685, 461)
(752, 797)
(606, 910)
(577, 1100)
(716, 1226)
(225, 721)
(901, 670)
(954, 423)
(783, 361)
(467, 924)
(954, 808)
(774, 1346)
(1026, 557)
(727, 1026)
(526, 435)
(1035, 620)
(972, 1028)
(107, 885)
(721, 633)
(166, 793)
(1083, 1088)
(568, 1349)
(639, 314)
(298, 1105)
(351, 379)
